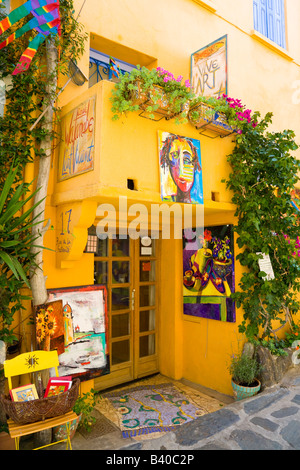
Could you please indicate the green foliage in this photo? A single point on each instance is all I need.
(244, 369)
(263, 175)
(178, 93)
(15, 250)
(26, 94)
(85, 405)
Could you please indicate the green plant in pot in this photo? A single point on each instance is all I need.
(224, 114)
(244, 371)
(152, 91)
(84, 407)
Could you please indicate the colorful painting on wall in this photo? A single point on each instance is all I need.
(209, 69)
(77, 148)
(208, 274)
(75, 321)
(180, 168)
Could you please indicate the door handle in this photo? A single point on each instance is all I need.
(132, 299)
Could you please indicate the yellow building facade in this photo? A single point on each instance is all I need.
(118, 175)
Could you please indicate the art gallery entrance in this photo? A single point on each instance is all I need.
(129, 270)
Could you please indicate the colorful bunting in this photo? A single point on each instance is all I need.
(46, 21)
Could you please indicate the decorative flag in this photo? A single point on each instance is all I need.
(46, 21)
(113, 67)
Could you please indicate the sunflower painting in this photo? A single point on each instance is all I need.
(50, 326)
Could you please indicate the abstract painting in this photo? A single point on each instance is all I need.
(209, 69)
(208, 274)
(84, 318)
(180, 168)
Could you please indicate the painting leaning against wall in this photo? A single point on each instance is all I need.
(74, 322)
(208, 274)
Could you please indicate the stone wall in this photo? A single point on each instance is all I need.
(274, 367)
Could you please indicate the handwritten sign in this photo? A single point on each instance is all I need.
(77, 148)
(265, 266)
(209, 69)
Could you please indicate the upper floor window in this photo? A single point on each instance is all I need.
(104, 67)
(269, 20)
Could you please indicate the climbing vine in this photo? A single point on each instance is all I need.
(264, 174)
(27, 94)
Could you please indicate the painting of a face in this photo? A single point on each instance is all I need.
(180, 168)
(181, 165)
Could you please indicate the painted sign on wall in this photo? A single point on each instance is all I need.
(209, 69)
(77, 149)
(208, 274)
(75, 321)
(180, 168)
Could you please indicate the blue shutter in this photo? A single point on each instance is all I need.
(260, 16)
(256, 16)
(269, 20)
(279, 23)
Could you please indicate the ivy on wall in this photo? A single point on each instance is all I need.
(264, 174)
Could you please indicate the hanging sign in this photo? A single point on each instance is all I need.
(265, 266)
(209, 69)
(77, 147)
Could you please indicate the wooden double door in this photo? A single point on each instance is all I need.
(129, 270)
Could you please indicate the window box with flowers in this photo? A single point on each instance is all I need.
(219, 116)
(153, 92)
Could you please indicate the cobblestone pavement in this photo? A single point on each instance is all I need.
(268, 421)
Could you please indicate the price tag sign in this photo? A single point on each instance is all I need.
(2, 352)
(265, 265)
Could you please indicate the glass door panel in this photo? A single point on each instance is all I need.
(130, 276)
(147, 345)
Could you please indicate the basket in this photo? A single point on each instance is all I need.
(26, 412)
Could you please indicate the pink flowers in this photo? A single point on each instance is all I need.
(242, 114)
(168, 76)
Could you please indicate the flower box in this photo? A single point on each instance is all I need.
(205, 118)
(156, 98)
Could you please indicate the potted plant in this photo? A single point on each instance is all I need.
(244, 371)
(152, 91)
(84, 408)
(223, 115)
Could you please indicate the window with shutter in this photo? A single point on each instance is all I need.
(269, 20)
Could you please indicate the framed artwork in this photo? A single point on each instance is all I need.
(24, 393)
(84, 316)
(209, 69)
(77, 148)
(58, 385)
(208, 274)
(50, 328)
(180, 168)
